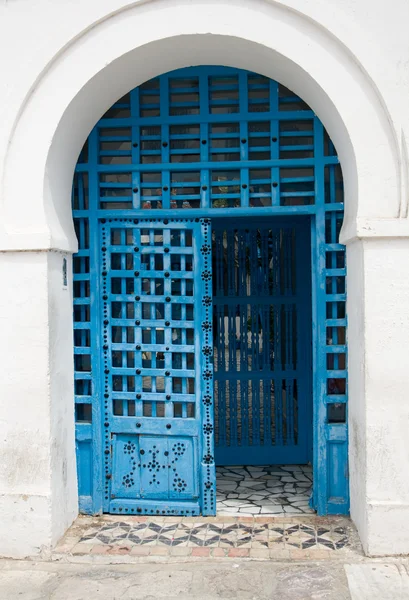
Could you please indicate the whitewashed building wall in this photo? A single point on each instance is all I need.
(62, 65)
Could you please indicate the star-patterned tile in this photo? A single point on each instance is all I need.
(293, 533)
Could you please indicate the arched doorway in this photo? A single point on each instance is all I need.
(207, 175)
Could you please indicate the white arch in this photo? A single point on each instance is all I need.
(144, 40)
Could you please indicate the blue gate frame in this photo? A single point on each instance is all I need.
(209, 142)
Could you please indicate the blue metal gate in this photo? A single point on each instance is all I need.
(190, 150)
(262, 308)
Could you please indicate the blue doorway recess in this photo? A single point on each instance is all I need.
(209, 294)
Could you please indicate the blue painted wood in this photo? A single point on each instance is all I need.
(157, 374)
(331, 489)
(200, 143)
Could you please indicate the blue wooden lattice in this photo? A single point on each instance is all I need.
(206, 142)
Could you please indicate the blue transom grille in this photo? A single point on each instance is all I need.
(214, 138)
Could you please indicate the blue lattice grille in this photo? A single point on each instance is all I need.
(207, 141)
(82, 298)
(200, 143)
(152, 321)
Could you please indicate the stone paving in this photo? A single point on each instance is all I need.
(262, 512)
(206, 580)
(301, 538)
(263, 490)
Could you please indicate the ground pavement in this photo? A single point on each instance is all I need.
(302, 557)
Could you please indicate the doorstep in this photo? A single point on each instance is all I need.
(133, 539)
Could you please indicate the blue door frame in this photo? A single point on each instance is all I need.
(210, 143)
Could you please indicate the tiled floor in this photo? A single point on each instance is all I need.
(305, 537)
(262, 512)
(264, 490)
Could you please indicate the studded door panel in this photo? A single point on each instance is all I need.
(158, 376)
(154, 467)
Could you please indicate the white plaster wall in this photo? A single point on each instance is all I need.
(113, 55)
(386, 284)
(37, 486)
(64, 63)
(63, 474)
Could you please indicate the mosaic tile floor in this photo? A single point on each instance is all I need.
(262, 512)
(305, 537)
(264, 490)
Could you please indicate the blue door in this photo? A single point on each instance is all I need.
(200, 148)
(262, 338)
(157, 371)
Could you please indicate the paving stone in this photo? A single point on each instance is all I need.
(204, 552)
(272, 510)
(219, 552)
(27, 584)
(262, 486)
(140, 551)
(239, 552)
(260, 553)
(378, 582)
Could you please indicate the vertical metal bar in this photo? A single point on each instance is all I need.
(288, 320)
(274, 143)
(231, 311)
(165, 152)
(205, 139)
(243, 141)
(204, 387)
(167, 293)
(98, 416)
(320, 466)
(135, 149)
(244, 364)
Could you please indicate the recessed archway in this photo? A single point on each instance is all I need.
(248, 157)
